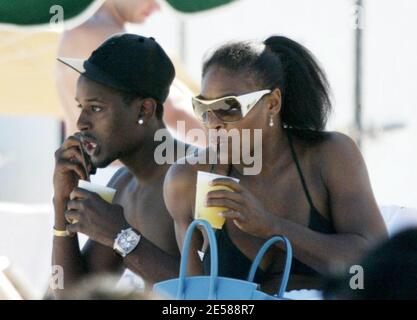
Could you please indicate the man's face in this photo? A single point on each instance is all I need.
(108, 126)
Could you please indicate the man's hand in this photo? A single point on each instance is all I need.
(70, 166)
(94, 217)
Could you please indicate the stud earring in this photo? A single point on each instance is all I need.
(140, 121)
(271, 121)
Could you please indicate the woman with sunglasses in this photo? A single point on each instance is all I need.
(313, 187)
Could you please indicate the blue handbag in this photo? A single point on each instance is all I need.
(213, 287)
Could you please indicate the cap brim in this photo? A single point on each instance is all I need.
(90, 71)
(76, 64)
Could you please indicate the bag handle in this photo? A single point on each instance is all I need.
(213, 256)
(288, 259)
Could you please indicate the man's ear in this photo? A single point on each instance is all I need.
(147, 108)
(275, 101)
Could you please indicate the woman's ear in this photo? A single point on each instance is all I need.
(147, 108)
(275, 101)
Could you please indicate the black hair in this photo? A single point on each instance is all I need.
(129, 97)
(282, 63)
(389, 272)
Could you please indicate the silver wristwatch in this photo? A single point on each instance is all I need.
(126, 241)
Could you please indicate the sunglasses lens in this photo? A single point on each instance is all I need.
(228, 110)
(200, 109)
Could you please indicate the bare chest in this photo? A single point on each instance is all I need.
(145, 210)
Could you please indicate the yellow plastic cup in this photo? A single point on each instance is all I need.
(105, 193)
(210, 214)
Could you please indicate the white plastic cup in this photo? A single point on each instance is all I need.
(105, 193)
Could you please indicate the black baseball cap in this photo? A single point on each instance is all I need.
(130, 63)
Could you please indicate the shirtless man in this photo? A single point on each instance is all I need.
(120, 111)
(82, 40)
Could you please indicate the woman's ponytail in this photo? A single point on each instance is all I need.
(306, 103)
(285, 64)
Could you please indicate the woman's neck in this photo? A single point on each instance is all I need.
(269, 152)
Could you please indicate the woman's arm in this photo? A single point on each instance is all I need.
(355, 214)
(179, 195)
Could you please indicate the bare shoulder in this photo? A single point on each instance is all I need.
(181, 175)
(337, 147)
(337, 140)
(120, 178)
(338, 157)
(79, 42)
(179, 183)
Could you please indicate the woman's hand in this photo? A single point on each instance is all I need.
(243, 208)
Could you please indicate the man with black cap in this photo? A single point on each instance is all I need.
(112, 17)
(120, 93)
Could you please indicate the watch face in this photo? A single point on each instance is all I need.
(128, 240)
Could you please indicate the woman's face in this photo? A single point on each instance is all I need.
(219, 82)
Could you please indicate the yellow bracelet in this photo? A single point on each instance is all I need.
(62, 233)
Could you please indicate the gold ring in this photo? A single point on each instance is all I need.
(71, 221)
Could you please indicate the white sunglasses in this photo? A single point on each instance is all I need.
(227, 109)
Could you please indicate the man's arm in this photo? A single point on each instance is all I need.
(152, 263)
(102, 222)
(95, 258)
